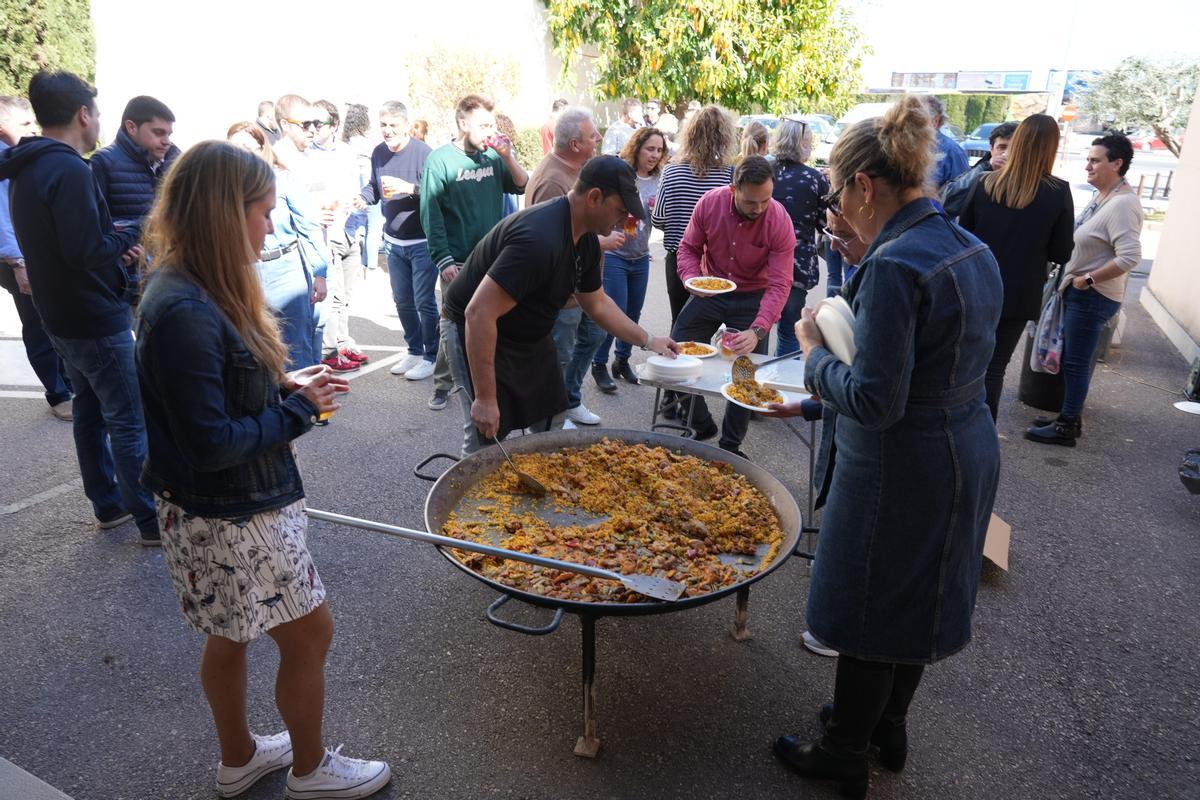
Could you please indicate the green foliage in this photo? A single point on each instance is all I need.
(997, 108)
(776, 56)
(44, 34)
(956, 108)
(529, 147)
(441, 76)
(1142, 94)
(976, 106)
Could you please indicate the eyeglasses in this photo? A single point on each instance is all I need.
(311, 124)
(833, 200)
(843, 241)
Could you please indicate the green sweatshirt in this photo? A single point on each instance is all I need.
(462, 198)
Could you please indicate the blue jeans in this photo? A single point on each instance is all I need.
(625, 281)
(833, 270)
(110, 434)
(38, 348)
(576, 337)
(785, 337)
(288, 288)
(1085, 313)
(414, 277)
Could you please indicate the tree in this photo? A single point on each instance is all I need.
(1138, 94)
(44, 34)
(441, 76)
(774, 55)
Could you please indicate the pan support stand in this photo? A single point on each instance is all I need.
(741, 616)
(588, 744)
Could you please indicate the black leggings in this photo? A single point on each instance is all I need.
(1008, 335)
(676, 292)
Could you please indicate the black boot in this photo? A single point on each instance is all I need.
(891, 734)
(860, 694)
(602, 378)
(1060, 431)
(621, 369)
(1041, 422)
(813, 761)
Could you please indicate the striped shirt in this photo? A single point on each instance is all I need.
(678, 193)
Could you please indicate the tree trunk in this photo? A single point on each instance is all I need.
(1167, 139)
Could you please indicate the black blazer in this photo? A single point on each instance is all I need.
(1024, 241)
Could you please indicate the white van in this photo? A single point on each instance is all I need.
(857, 114)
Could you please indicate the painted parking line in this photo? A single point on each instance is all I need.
(16, 394)
(41, 497)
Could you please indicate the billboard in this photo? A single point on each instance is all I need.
(993, 81)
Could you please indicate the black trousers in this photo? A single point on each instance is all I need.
(676, 293)
(698, 321)
(1008, 335)
(867, 694)
(38, 348)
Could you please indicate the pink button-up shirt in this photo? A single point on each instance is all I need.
(754, 254)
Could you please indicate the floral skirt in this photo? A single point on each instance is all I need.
(238, 578)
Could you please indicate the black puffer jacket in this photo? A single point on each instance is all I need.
(125, 177)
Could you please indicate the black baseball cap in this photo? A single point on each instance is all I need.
(611, 174)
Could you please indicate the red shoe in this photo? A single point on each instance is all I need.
(356, 356)
(339, 363)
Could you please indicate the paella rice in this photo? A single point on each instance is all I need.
(696, 349)
(661, 513)
(753, 393)
(710, 284)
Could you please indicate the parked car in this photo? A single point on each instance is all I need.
(1146, 140)
(766, 119)
(860, 112)
(953, 131)
(977, 144)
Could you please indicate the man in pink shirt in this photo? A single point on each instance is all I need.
(737, 232)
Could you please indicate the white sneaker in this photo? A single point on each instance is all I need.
(421, 371)
(405, 364)
(580, 414)
(339, 778)
(270, 753)
(814, 646)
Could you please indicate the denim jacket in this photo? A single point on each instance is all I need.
(217, 427)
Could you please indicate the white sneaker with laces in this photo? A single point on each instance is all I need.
(405, 364)
(814, 646)
(270, 753)
(580, 415)
(421, 371)
(339, 777)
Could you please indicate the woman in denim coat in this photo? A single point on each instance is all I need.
(221, 414)
(913, 458)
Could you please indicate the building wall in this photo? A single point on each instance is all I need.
(1174, 283)
(213, 62)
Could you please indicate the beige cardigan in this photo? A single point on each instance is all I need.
(1113, 232)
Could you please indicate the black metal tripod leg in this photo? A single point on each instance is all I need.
(588, 744)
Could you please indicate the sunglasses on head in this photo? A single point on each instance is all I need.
(833, 200)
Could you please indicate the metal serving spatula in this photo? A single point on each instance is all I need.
(743, 368)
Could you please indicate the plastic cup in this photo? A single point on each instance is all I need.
(728, 339)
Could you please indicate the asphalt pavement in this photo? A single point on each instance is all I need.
(1081, 681)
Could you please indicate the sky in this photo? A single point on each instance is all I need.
(1035, 35)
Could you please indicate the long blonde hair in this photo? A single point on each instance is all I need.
(198, 228)
(707, 141)
(1030, 161)
(754, 139)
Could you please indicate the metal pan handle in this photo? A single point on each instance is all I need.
(427, 462)
(550, 627)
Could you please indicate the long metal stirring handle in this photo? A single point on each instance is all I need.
(783, 357)
(450, 541)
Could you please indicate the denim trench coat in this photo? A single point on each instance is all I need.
(911, 456)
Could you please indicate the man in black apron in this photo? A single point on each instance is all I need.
(499, 313)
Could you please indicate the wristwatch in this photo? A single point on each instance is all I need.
(759, 331)
(1089, 279)
(649, 340)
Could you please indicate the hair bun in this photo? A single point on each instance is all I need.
(906, 139)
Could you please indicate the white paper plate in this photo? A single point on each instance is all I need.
(1188, 406)
(787, 398)
(689, 283)
(682, 368)
(835, 320)
(713, 348)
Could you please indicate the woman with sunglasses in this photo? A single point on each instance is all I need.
(907, 501)
(294, 260)
(221, 413)
(799, 188)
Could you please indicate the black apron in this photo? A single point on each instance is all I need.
(529, 382)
